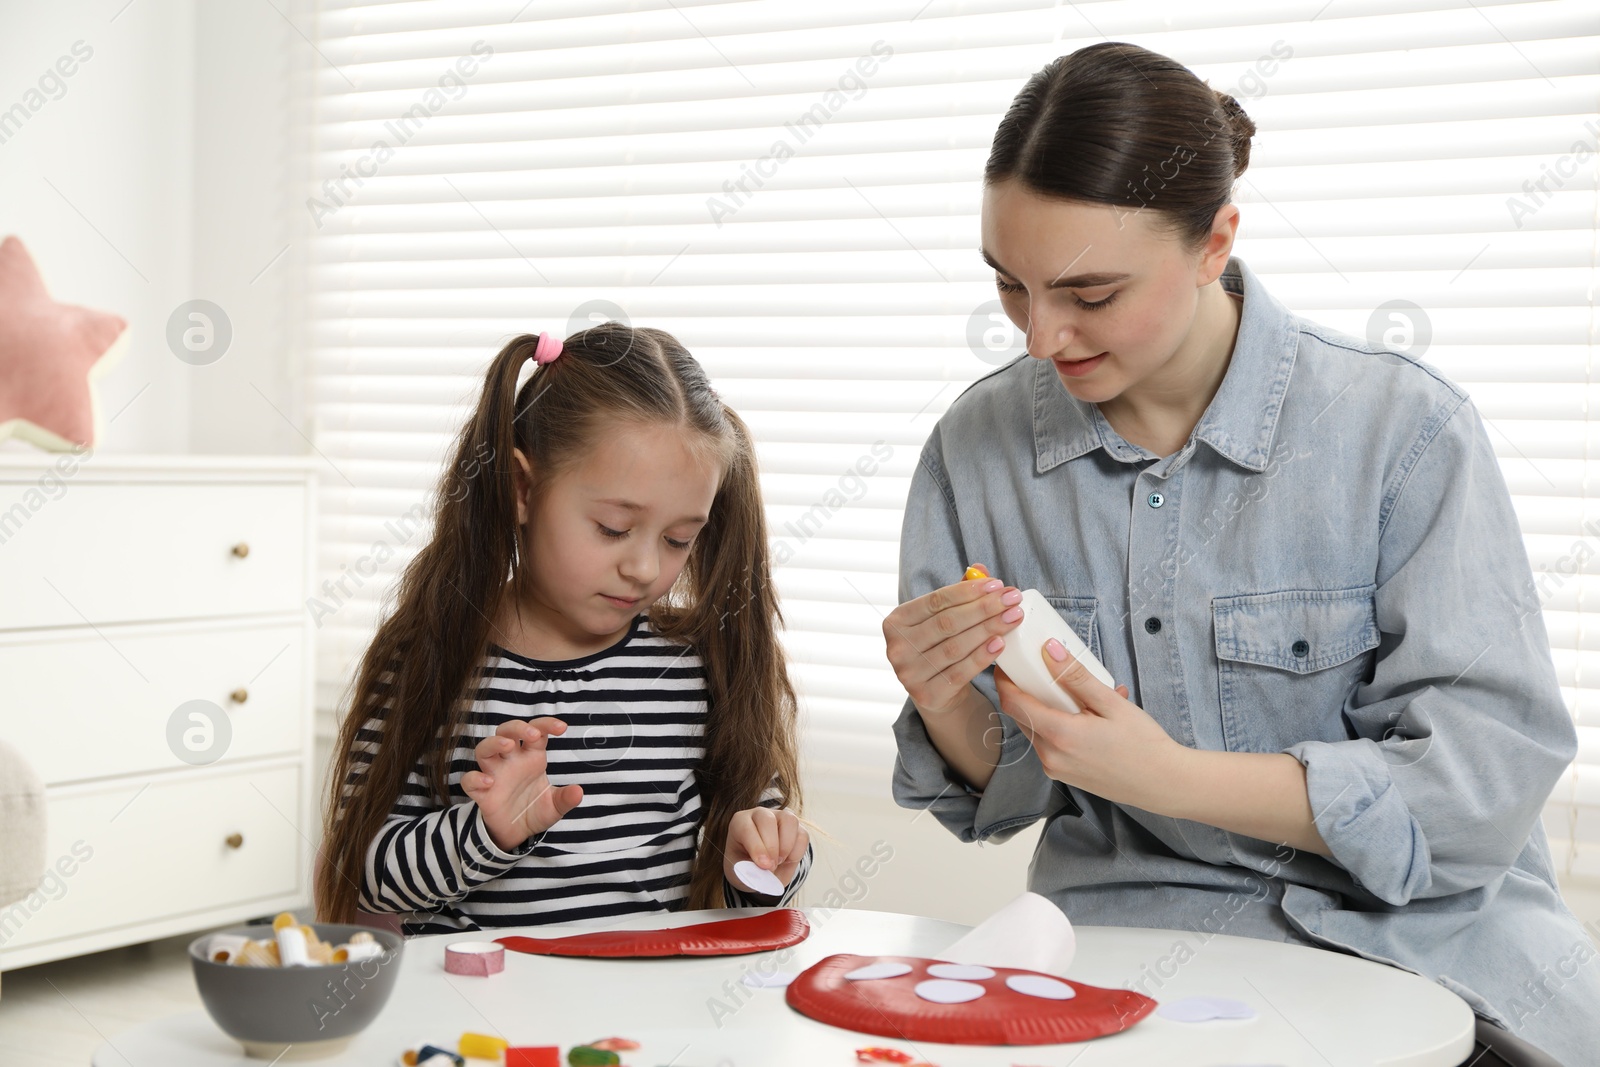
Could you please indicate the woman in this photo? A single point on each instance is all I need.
(1339, 719)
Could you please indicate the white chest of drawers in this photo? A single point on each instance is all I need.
(156, 670)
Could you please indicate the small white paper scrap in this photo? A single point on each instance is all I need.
(1204, 1009)
(960, 970)
(946, 991)
(878, 970)
(1037, 985)
(759, 879)
(757, 980)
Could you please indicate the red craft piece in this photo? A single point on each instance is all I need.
(890, 1007)
(779, 928)
(533, 1056)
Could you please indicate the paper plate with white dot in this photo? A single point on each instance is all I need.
(912, 999)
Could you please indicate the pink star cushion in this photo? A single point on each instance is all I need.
(49, 352)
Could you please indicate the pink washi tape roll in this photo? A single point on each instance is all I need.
(474, 957)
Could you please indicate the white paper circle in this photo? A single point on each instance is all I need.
(758, 879)
(947, 991)
(1204, 1009)
(960, 970)
(1038, 985)
(885, 969)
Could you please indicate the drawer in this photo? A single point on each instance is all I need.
(141, 851)
(117, 552)
(82, 704)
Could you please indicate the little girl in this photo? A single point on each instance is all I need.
(593, 628)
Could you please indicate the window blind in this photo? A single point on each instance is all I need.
(792, 190)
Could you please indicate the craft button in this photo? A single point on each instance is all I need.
(1301, 648)
(1152, 625)
(1156, 500)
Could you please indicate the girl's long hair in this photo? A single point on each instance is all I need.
(419, 674)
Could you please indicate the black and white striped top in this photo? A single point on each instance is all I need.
(635, 715)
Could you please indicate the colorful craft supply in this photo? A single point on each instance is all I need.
(589, 1056)
(293, 944)
(616, 1044)
(533, 1056)
(481, 958)
(481, 1046)
(875, 1054)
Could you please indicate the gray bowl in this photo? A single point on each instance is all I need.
(296, 1013)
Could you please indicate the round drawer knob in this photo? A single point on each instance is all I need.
(240, 695)
(235, 840)
(241, 550)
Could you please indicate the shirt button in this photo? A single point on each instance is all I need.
(1156, 500)
(1300, 648)
(1152, 625)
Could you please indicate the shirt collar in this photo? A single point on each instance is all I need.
(1238, 423)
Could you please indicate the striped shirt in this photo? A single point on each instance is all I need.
(635, 715)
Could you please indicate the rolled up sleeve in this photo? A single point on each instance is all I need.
(1462, 732)
(932, 554)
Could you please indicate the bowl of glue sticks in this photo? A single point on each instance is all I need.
(295, 991)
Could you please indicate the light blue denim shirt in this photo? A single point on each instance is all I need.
(1338, 574)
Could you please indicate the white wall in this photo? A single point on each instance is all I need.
(97, 183)
(154, 174)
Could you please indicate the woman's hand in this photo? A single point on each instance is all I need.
(771, 838)
(1113, 749)
(510, 786)
(939, 642)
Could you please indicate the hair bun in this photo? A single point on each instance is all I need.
(1242, 127)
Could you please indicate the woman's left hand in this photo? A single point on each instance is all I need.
(1113, 749)
(771, 838)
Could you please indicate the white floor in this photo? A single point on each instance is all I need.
(57, 1014)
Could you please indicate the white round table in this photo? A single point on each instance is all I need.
(1314, 1008)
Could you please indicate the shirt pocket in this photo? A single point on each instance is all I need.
(1287, 660)
(1079, 612)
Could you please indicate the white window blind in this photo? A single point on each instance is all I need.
(734, 174)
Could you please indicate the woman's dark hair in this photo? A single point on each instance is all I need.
(1114, 123)
(419, 674)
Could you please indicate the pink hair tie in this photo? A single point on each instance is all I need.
(547, 349)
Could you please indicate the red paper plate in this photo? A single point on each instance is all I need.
(779, 928)
(890, 1007)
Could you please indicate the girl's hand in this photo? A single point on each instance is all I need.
(772, 839)
(1113, 749)
(510, 786)
(939, 642)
